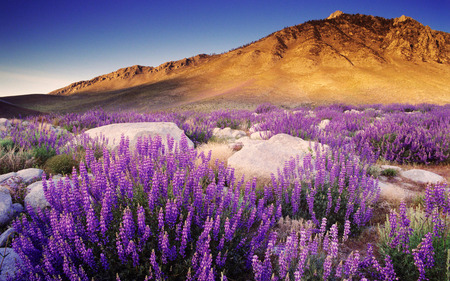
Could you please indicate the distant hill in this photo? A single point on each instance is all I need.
(9, 110)
(343, 58)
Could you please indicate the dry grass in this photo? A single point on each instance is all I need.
(13, 161)
(219, 151)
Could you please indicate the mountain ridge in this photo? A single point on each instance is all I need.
(316, 61)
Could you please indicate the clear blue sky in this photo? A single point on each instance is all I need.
(45, 45)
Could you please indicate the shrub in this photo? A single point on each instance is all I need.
(7, 145)
(389, 172)
(417, 240)
(60, 164)
(332, 185)
(265, 108)
(42, 154)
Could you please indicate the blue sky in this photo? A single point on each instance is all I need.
(45, 45)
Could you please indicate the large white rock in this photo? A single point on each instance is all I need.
(6, 210)
(393, 192)
(262, 158)
(7, 176)
(422, 176)
(36, 197)
(10, 260)
(29, 175)
(133, 131)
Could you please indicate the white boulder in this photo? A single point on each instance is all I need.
(422, 176)
(133, 131)
(7, 176)
(29, 175)
(262, 158)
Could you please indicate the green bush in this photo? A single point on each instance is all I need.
(60, 164)
(389, 172)
(403, 260)
(7, 145)
(42, 154)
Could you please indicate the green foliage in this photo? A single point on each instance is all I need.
(389, 172)
(228, 122)
(7, 145)
(402, 260)
(42, 154)
(60, 164)
(373, 171)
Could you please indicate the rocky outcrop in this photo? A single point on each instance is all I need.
(263, 158)
(422, 176)
(134, 131)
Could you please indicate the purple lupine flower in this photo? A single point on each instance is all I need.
(346, 231)
(155, 266)
(104, 261)
(120, 250)
(131, 250)
(128, 224)
(423, 255)
(333, 251)
(327, 267)
(388, 269)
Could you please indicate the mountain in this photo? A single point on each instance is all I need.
(343, 58)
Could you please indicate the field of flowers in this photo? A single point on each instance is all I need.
(153, 212)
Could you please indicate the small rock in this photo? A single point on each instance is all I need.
(5, 122)
(36, 197)
(422, 176)
(30, 175)
(17, 210)
(353, 111)
(238, 134)
(5, 177)
(5, 206)
(10, 260)
(236, 146)
(7, 236)
(255, 128)
(323, 124)
(228, 133)
(263, 135)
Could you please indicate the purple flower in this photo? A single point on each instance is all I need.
(423, 255)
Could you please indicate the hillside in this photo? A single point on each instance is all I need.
(343, 58)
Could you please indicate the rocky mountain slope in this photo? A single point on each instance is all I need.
(343, 58)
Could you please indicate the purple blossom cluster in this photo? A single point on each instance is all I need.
(149, 214)
(333, 185)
